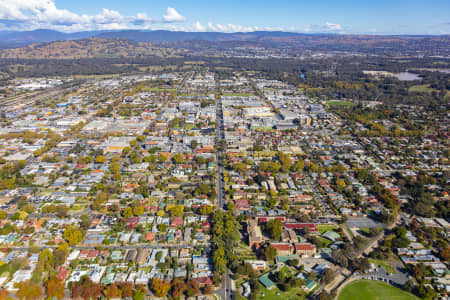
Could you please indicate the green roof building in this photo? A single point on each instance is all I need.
(310, 285)
(331, 235)
(266, 282)
(171, 236)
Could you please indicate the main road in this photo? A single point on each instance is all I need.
(225, 292)
(113, 247)
(220, 142)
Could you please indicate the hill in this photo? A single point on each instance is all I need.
(86, 48)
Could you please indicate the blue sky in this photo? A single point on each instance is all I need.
(375, 17)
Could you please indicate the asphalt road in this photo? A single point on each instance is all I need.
(225, 291)
(183, 82)
(220, 138)
(119, 247)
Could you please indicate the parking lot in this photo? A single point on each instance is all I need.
(380, 273)
(363, 222)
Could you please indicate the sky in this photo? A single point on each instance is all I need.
(307, 16)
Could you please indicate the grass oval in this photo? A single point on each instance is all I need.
(373, 290)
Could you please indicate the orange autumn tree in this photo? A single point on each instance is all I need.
(28, 290)
(160, 287)
(54, 288)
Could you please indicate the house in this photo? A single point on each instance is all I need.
(132, 222)
(242, 204)
(305, 249)
(116, 255)
(206, 226)
(288, 235)
(19, 276)
(73, 255)
(176, 222)
(300, 226)
(254, 234)
(149, 236)
(263, 220)
(258, 265)
(204, 281)
(309, 285)
(282, 248)
(63, 272)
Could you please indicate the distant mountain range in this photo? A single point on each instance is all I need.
(22, 38)
(363, 43)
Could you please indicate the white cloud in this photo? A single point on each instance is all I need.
(34, 14)
(325, 28)
(141, 19)
(107, 16)
(198, 27)
(173, 16)
(333, 27)
(230, 28)
(37, 11)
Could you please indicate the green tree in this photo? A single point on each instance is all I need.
(298, 166)
(274, 228)
(73, 235)
(176, 210)
(138, 210)
(285, 161)
(46, 259)
(177, 159)
(85, 222)
(100, 159)
(128, 212)
(270, 253)
(138, 294)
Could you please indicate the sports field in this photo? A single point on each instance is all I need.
(340, 103)
(373, 290)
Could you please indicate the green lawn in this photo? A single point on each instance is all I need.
(373, 290)
(384, 264)
(422, 88)
(293, 294)
(189, 126)
(339, 103)
(325, 228)
(365, 230)
(244, 252)
(325, 242)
